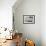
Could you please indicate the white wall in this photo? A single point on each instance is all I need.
(6, 13)
(43, 22)
(31, 31)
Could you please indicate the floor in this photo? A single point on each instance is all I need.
(9, 43)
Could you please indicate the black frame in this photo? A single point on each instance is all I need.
(29, 16)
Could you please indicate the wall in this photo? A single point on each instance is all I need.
(43, 22)
(30, 31)
(6, 13)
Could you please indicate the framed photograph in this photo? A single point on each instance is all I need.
(28, 19)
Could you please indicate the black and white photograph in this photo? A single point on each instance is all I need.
(29, 19)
